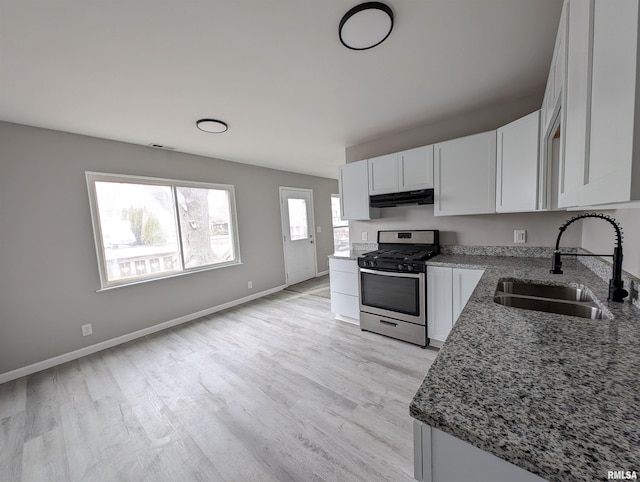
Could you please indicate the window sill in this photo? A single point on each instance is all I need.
(169, 275)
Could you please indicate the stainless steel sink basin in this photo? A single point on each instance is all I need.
(583, 310)
(563, 300)
(543, 291)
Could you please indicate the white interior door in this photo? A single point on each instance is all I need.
(298, 233)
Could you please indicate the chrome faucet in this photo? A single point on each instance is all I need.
(616, 290)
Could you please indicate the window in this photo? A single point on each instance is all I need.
(340, 228)
(298, 226)
(148, 228)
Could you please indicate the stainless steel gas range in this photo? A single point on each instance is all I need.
(393, 288)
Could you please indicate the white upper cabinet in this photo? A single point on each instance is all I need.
(576, 108)
(555, 81)
(415, 169)
(518, 165)
(354, 192)
(611, 171)
(465, 175)
(402, 171)
(383, 174)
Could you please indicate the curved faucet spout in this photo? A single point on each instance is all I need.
(616, 285)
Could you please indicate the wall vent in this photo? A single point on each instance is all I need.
(160, 146)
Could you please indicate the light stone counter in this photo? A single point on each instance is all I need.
(556, 395)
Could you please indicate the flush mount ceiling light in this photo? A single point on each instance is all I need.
(212, 125)
(366, 25)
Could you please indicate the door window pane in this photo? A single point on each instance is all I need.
(138, 229)
(298, 225)
(205, 220)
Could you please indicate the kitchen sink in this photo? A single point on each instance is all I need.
(550, 306)
(563, 300)
(543, 291)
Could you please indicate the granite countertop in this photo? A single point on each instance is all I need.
(556, 395)
(352, 254)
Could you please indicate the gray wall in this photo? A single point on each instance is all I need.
(492, 229)
(48, 268)
(481, 230)
(599, 237)
(444, 129)
(477, 230)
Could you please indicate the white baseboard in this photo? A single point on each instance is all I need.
(348, 319)
(322, 273)
(88, 350)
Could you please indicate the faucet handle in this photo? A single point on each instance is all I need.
(617, 293)
(556, 267)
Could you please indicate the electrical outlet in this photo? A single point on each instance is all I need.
(365, 236)
(519, 236)
(319, 229)
(87, 329)
(250, 285)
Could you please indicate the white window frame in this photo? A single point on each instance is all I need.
(333, 226)
(93, 177)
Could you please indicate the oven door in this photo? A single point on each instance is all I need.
(400, 296)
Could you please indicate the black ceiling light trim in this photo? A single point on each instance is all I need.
(213, 126)
(379, 37)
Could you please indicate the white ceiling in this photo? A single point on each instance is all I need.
(143, 71)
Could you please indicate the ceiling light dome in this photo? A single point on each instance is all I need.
(212, 125)
(366, 25)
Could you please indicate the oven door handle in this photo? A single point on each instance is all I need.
(391, 273)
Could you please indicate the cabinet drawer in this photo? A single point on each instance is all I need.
(346, 265)
(345, 305)
(400, 330)
(345, 283)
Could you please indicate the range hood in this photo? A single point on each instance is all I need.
(422, 196)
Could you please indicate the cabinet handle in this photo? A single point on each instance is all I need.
(388, 323)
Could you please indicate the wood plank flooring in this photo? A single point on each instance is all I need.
(272, 390)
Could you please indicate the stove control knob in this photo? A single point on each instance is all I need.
(371, 264)
(409, 267)
(401, 267)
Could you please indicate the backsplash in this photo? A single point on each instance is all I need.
(513, 251)
(599, 266)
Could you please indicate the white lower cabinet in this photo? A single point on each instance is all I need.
(440, 457)
(448, 290)
(464, 281)
(343, 279)
(439, 302)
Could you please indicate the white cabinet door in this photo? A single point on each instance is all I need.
(415, 169)
(354, 192)
(383, 174)
(440, 457)
(609, 175)
(518, 165)
(439, 302)
(464, 282)
(343, 280)
(576, 109)
(555, 81)
(465, 175)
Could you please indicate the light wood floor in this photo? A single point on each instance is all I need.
(272, 390)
